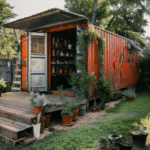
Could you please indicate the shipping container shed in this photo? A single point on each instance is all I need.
(49, 50)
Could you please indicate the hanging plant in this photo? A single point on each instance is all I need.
(82, 82)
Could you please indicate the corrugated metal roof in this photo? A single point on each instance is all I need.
(46, 19)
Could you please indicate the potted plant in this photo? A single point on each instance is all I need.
(125, 144)
(129, 94)
(65, 69)
(103, 143)
(37, 127)
(66, 113)
(74, 109)
(37, 101)
(60, 69)
(105, 91)
(139, 135)
(94, 108)
(53, 60)
(47, 108)
(7, 88)
(2, 86)
(70, 69)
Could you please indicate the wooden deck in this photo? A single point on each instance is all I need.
(19, 100)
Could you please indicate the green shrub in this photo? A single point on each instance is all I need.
(143, 82)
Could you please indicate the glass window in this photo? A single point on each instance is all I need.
(37, 45)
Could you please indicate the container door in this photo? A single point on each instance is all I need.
(79, 54)
(38, 61)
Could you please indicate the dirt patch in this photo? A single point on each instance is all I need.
(56, 124)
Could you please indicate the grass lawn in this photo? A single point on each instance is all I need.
(87, 136)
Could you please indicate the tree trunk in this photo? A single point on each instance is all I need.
(94, 12)
(110, 22)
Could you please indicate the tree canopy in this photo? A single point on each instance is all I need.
(85, 7)
(8, 37)
(124, 17)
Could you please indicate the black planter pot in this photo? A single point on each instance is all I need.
(103, 106)
(82, 110)
(138, 140)
(124, 147)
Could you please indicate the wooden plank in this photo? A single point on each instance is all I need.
(13, 125)
(8, 140)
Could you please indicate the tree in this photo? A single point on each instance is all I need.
(123, 17)
(128, 15)
(94, 12)
(85, 7)
(8, 41)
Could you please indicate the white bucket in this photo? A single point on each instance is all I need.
(36, 130)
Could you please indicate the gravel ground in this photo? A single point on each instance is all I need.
(56, 124)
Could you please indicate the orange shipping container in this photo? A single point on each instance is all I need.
(43, 55)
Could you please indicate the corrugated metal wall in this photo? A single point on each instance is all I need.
(121, 65)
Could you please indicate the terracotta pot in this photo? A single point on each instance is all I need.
(60, 70)
(98, 109)
(70, 62)
(47, 120)
(37, 110)
(66, 120)
(94, 109)
(68, 94)
(55, 93)
(75, 113)
(65, 71)
(42, 121)
(64, 94)
(129, 98)
(70, 71)
(53, 60)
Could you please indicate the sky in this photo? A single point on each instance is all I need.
(25, 8)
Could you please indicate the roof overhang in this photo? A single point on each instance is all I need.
(133, 47)
(47, 19)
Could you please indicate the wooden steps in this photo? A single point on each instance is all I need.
(14, 129)
(18, 115)
(16, 126)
